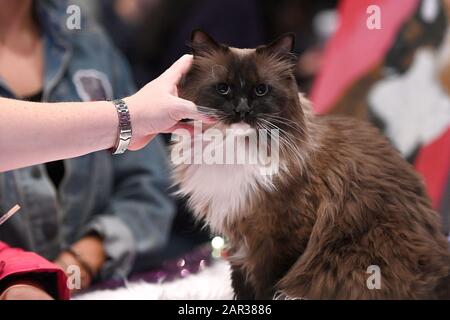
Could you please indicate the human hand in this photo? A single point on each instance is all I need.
(90, 250)
(24, 290)
(157, 108)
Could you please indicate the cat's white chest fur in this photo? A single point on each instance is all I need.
(220, 193)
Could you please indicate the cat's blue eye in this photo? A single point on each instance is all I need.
(261, 89)
(223, 88)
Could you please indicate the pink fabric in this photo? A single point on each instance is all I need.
(16, 262)
(354, 49)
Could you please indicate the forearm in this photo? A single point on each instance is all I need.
(32, 133)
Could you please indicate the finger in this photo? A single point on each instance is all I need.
(137, 145)
(186, 107)
(188, 110)
(181, 126)
(210, 117)
(179, 69)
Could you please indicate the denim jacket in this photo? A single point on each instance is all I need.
(123, 198)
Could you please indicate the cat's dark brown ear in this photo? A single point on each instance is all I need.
(202, 42)
(283, 45)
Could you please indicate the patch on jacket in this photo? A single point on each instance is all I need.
(92, 85)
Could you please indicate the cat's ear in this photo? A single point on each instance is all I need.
(283, 45)
(202, 42)
(199, 37)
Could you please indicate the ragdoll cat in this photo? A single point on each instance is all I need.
(342, 205)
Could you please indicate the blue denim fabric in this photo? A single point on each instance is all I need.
(124, 198)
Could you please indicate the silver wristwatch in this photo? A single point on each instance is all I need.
(125, 131)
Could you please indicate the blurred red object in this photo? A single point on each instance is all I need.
(355, 48)
(353, 51)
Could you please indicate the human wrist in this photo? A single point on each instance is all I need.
(141, 121)
(105, 123)
(91, 251)
(133, 107)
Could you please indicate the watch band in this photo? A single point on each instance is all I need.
(125, 130)
(82, 262)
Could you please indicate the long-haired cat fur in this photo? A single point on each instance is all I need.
(342, 201)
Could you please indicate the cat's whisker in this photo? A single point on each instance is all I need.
(291, 136)
(276, 115)
(285, 142)
(291, 124)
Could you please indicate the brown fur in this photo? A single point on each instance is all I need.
(346, 201)
(357, 204)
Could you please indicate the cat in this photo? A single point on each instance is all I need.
(342, 206)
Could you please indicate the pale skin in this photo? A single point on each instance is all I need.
(33, 133)
(25, 290)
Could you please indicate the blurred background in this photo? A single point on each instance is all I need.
(395, 75)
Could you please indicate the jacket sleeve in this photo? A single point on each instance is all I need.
(16, 263)
(139, 216)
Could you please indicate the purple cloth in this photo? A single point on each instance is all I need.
(189, 263)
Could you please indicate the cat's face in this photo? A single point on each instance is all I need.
(251, 86)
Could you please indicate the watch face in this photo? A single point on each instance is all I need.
(92, 85)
